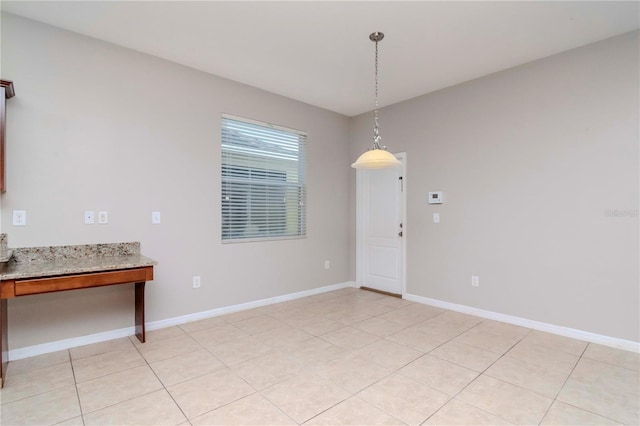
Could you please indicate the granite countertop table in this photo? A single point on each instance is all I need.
(39, 270)
(34, 262)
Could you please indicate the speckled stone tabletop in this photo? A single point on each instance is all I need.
(5, 253)
(34, 262)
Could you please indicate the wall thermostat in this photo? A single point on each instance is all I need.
(435, 197)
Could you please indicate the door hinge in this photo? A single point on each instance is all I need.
(401, 184)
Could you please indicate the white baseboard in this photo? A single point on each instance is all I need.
(60, 345)
(614, 342)
(44, 348)
(155, 325)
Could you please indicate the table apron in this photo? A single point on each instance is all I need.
(25, 287)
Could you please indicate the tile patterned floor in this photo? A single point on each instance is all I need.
(344, 357)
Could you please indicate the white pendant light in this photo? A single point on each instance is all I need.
(377, 157)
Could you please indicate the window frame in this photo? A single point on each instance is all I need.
(300, 187)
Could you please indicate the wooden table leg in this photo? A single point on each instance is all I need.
(4, 344)
(140, 311)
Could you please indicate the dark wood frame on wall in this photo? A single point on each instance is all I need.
(7, 92)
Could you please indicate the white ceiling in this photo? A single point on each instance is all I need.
(320, 53)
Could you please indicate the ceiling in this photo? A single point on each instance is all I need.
(319, 52)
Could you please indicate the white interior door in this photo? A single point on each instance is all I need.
(380, 228)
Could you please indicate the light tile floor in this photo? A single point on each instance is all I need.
(344, 357)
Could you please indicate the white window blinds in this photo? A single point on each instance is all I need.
(264, 190)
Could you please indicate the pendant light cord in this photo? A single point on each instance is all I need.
(376, 133)
(376, 157)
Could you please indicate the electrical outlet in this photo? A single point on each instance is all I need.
(155, 218)
(89, 217)
(19, 218)
(327, 264)
(475, 281)
(103, 218)
(196, 282)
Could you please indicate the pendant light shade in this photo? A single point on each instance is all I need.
(377, 157)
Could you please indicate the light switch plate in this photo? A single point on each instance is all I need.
(103, 218)
(19, 218)
(155, 218)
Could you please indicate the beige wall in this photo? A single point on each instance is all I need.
(530, 160)
(97, 127)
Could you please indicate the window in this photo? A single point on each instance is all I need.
(264, 189)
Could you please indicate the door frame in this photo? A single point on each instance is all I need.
(362, 215)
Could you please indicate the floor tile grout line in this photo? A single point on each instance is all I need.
(146, 362)
(34, 369)
(75, 385)
(555, 399)
(357, 395)
(121, 402)
(259, 391)
(481, 374)
(632, 370)
(369, 385)
(397, 370)
(35, 394)
(438, 346)
(223, 405)
(451, 397)
(315, 371)
(83, 414)
(163, 385)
